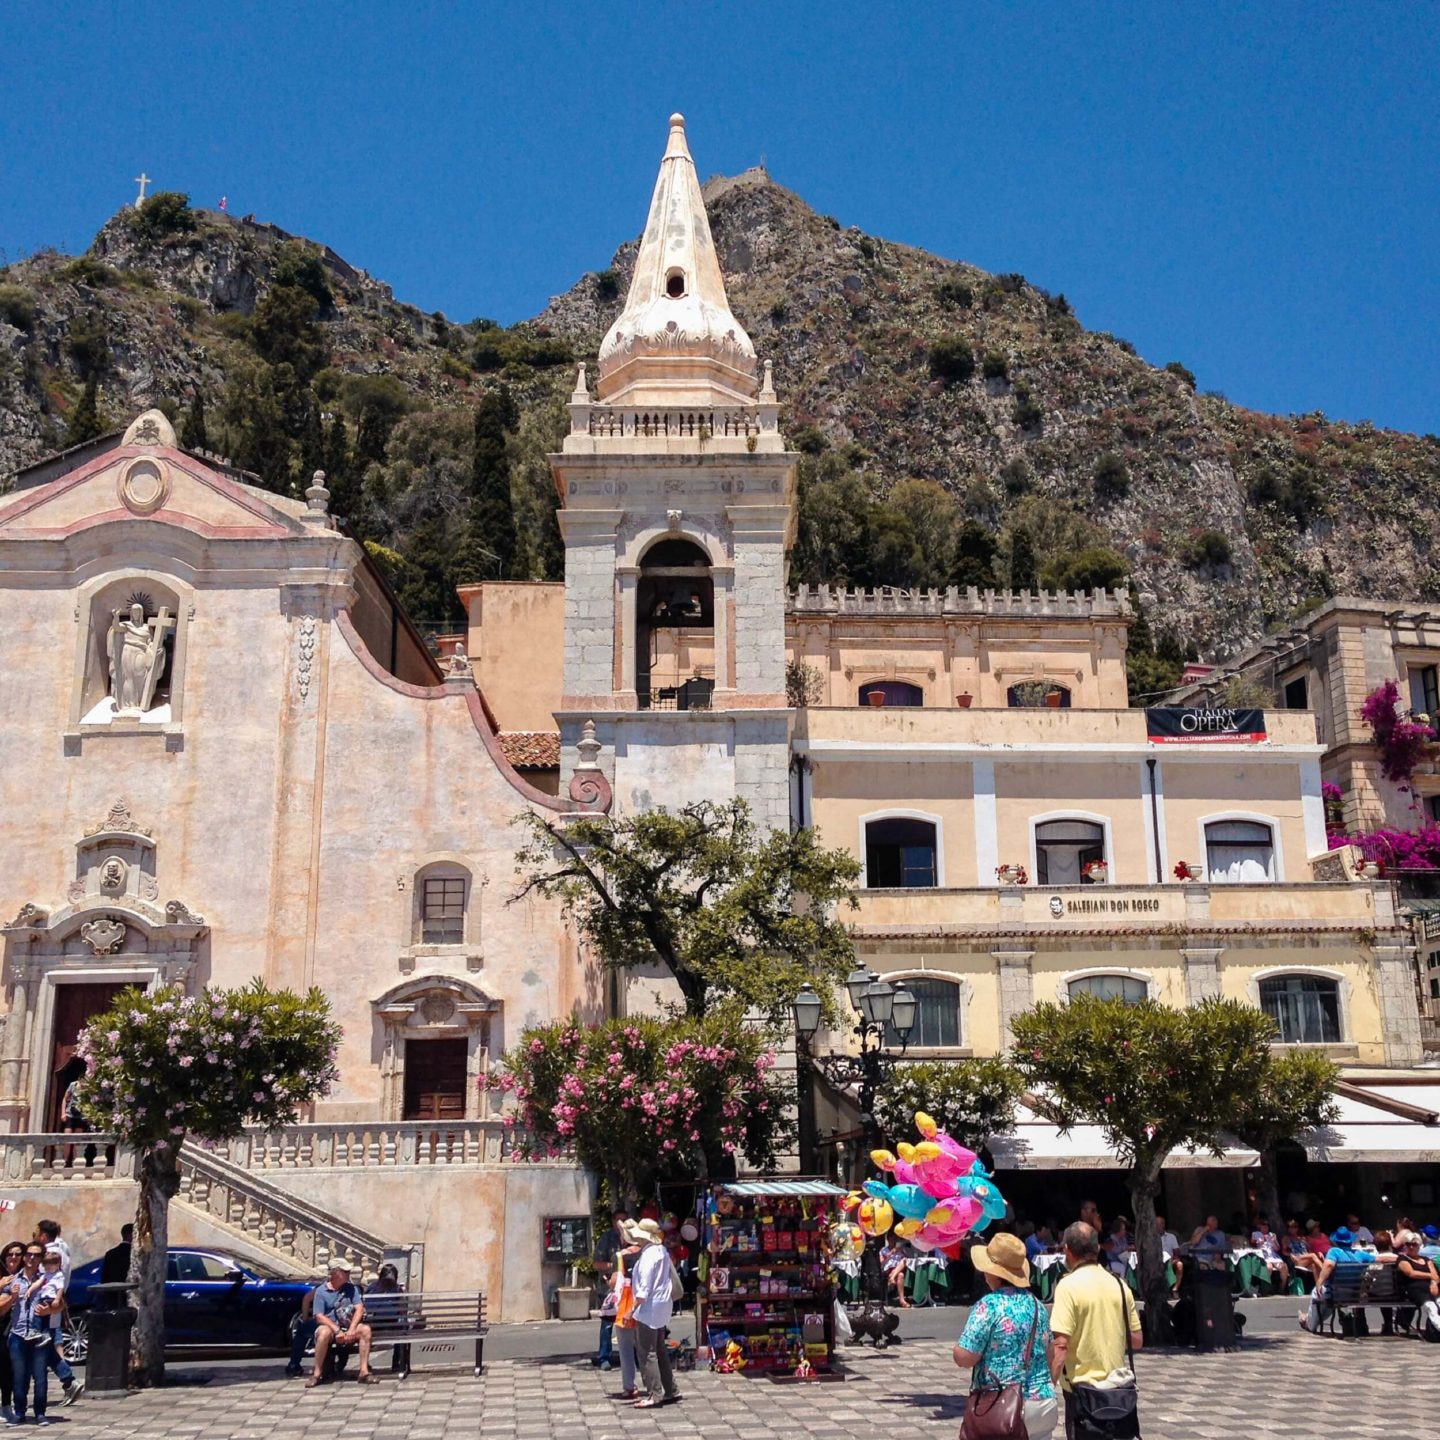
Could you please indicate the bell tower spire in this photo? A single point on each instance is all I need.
(676, 342)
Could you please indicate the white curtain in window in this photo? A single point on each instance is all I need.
(1239, 852)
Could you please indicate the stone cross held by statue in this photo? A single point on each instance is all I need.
(142, 180)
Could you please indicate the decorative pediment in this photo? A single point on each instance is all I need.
(435, 1002)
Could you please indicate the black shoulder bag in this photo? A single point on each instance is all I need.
(997, 1412)
(1110, 1412)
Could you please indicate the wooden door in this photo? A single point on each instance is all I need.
(74, 1005)
(435, 1079)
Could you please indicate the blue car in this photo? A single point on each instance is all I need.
(213, 1300)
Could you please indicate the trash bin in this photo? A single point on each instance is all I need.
(1214, 1311)
(107, 1362)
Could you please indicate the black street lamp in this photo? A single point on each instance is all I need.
(880, 1007)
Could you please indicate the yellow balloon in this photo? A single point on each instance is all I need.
(925, 1125)
(939, 1215)
(882, 1159)
(906, 1228)
(925, 1150)
(875, 1216)
(905, 1151)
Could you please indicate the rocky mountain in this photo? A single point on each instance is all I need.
(893, 364)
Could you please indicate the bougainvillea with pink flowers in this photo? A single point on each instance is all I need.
(638, 1099)
(1403, 742)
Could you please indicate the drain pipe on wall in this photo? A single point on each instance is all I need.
(1155, 819)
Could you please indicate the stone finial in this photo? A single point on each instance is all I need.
(767, 394)
(588, 746)
(672, 520)
(580, 395)
(317, 497)
(150, 428)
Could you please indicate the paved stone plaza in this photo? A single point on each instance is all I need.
(1278, 1385)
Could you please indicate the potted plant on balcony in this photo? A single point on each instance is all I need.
(963, 700)
(1053, 698)
(1187, 870)
(1097, 872)
(875, 697)
(1012, 875)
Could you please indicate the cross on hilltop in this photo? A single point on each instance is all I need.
(142, 180)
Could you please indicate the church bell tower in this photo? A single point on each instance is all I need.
(677, 507)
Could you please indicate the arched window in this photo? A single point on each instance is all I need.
(442, 904)
(1034, 694)
(1305, 1007)
(1239, 851)
(891, 692)
(1063, 848)
(1110, 987)
(900, 854)
(675, 628)
(937, 1013)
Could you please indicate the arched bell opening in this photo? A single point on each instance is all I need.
(675, 628)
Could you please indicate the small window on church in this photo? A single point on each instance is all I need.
(442, 911)
(675, 284)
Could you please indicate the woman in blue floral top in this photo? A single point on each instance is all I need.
(999, 1331)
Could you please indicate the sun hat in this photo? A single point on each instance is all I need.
(340, 1262)
(647, 1232)
(1003, 1257)
(1342, 1237)
(1430, 1232)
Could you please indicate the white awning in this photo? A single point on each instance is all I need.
(1376, 1135)
(1036, 1144)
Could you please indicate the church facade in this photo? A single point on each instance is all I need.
(226, 753)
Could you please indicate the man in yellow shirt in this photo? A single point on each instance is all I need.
(1092, 1312)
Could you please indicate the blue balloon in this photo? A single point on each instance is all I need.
(877, 1189)
(911, 1201)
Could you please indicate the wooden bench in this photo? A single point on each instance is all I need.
(428, 1321)
(1355, 1284)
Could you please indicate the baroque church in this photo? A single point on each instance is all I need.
(228, 753)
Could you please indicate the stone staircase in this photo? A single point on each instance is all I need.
(289, 1231)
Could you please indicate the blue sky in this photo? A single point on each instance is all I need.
(1248, 188)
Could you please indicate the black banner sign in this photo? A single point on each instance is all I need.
(1176, 725)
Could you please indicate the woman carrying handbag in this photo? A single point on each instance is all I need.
(622, 1296)
(1006, 1342)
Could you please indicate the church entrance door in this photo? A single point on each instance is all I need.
(74, 1007)
(435, 1079)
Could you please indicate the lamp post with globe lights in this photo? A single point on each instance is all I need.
(878, 1006)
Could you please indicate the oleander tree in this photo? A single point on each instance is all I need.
(641, 1099)
(1155, 1080)
(163, 1066)
(970, 1099)
(734, 911)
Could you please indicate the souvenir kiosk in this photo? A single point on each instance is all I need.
(767, 1285)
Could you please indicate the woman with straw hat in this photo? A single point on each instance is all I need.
(1007, 1343)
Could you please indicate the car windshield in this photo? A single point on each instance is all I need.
(257, 1267)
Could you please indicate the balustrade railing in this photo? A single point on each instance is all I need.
(682, 424)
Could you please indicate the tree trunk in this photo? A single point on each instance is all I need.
(1267, 1188)
(1154, 1289)
(159, 1182)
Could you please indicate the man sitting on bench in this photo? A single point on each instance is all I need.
(339, 1320)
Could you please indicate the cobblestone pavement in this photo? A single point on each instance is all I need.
(1277, 1386)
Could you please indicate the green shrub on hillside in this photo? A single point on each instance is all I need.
(955, 292)
(1111, 478)
(17, 307)
(1026, 413)
(996, 365)
(166, 212)
(1015, 477)
(299, 265)
(87, 270)
(495, 349)
(1207, 547)
(1094, 569)
(607, 286)
(952, 359)
(1183, 372)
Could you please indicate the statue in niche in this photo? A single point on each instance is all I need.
(136, 648)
